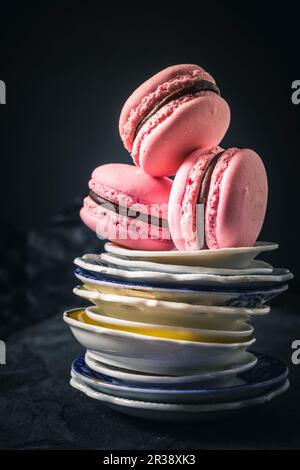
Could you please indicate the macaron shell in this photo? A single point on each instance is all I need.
(152, 91)
(117, 180)
(200, 122)
(237, 200)
(184, 198)
(129, 188)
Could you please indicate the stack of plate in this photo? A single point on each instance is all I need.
(168, 335)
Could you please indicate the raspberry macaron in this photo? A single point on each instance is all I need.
(218, 199)
(173, 113)
(128, 207)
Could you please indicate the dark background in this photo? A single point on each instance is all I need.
(69, 66)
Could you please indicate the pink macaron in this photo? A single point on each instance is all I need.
(128, 207)
(218, 199)
(173, 113)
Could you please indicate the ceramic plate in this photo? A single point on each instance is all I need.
(169, 313)
(150, 354)
(236, 258)
(175, 412)
(219, 377)
(256, 267)
(264, 376)
(94, 266)
(166, 331)
(241, 297)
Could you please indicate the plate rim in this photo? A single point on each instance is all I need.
(137, 286)
(200, 391)
(258, 247)
(200, 376)
(210, 279)
(100, 329)
(265, 268)
(180, 408)
(177, 305)
(114, 320)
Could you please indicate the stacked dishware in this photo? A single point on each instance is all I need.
(168, 333)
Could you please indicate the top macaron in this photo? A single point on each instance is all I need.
(176, 111)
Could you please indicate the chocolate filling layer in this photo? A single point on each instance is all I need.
(203, 193)
(127, 212)
(201, 85)
(205, 185)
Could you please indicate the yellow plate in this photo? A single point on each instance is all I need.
(81, 316)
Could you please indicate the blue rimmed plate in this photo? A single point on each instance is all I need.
(205, 295)
(264, 376)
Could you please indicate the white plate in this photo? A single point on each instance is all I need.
(169, 313)
(173, 412)
(166, 331)
(160, 356)
(94, 264)
(236, 258)
(255, 298)
(220, 376)
(256, 267)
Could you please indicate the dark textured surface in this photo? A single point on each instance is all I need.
(36, 269)
(39, 410)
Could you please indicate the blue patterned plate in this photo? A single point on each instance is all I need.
(205, 295)
(264, 376)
